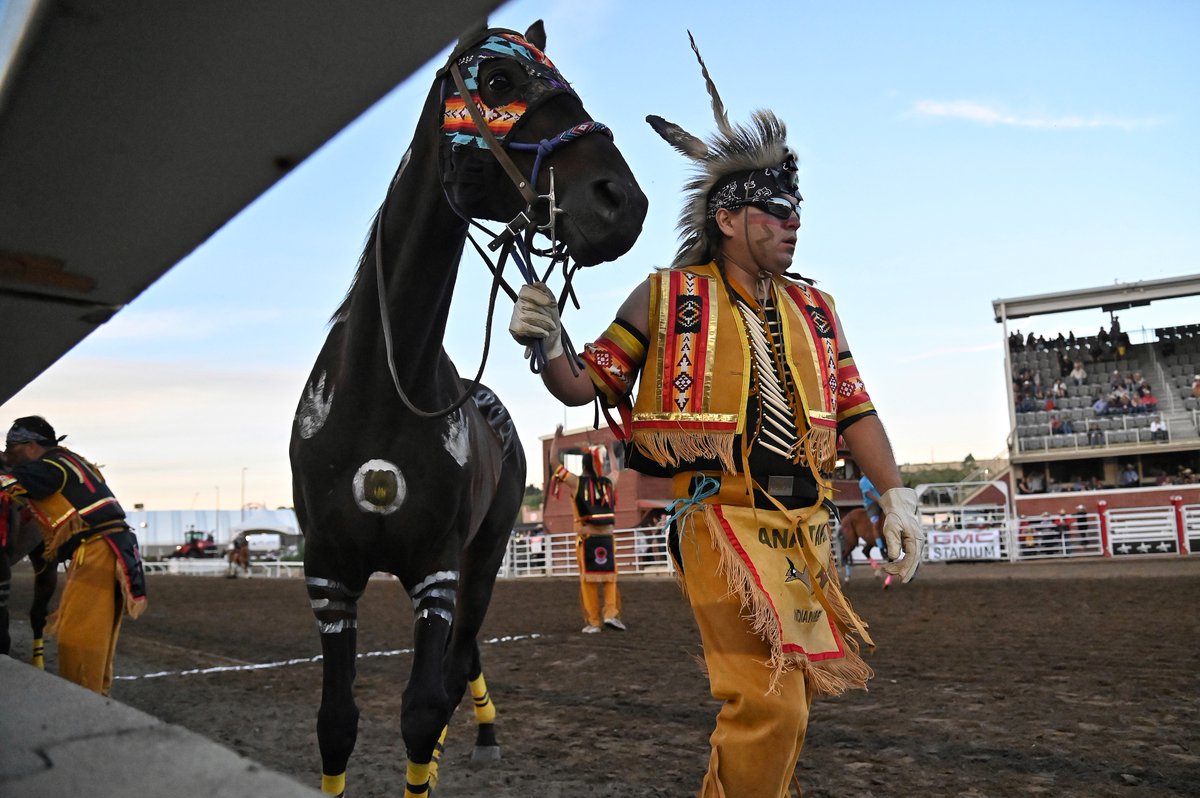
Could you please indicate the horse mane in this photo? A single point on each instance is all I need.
(366, 258)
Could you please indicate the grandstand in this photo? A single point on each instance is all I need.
(1124, 433)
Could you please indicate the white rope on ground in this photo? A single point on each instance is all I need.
(301, 661)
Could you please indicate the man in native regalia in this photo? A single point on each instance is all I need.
(593, 503)
(746, 383)
(83, 523)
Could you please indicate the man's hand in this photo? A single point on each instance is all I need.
(535, 318)
(902, 531)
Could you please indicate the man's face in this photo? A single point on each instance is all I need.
(771, 240)
(17, 453)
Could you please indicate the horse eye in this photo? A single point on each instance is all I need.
(498, 81)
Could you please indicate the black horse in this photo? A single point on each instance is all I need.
(22, 537)
(427, 486)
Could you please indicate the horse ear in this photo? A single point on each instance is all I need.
(536, 35)
(678, 138)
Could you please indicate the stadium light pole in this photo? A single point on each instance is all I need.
(244, 468)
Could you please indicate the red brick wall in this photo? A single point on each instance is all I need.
(1052, 503)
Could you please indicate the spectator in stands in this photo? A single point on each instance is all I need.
(1118, 401)
(1149, 400)
(1058, 389)
(1057, 425)
(1023, 485)
(1035, 481)
(1079, 374)
(1116, 380)
(1030, 343)
(1100, 406)
(1071, 339)
(1196, 385)
(1095, 438)
(1158, 430)
(1128, 478)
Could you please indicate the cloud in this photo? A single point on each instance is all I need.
(992, 115)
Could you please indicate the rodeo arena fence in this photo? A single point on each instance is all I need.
(954, 534)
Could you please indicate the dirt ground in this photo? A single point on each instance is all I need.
(1064, 679)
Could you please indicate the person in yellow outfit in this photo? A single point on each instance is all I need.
(593, 502)
(85, 524)
(745, 383)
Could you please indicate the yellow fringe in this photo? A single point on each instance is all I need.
(819, 445)
(827, 677)
(672, 447)
(68, 529)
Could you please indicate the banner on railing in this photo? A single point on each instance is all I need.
(963, 544)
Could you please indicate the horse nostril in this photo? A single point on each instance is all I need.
(609, 195)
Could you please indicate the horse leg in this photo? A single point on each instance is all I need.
(45, 581)
(424, 708)
(481, 562)
(487, 749)
(336, 609)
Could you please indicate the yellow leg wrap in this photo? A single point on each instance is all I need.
(333, 785)
(418, 785)
(437, 756)
(485, 710)
(39, 653)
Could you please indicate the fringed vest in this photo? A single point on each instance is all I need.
(696, 380)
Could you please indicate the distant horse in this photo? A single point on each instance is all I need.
(426, 485)
(21, 536)
(855, 527)
(238, 556)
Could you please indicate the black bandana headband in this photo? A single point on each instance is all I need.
(769, 186)
(32, 429)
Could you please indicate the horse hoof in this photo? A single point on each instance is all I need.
(485, 754)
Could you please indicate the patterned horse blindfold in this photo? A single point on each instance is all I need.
(457, 124)
(774, 189)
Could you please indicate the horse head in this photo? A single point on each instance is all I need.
(531, 114)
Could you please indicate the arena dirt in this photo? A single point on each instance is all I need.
(1063, 679)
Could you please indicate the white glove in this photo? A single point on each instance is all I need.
(902, 531)
(535, 318)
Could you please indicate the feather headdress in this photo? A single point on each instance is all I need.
(732, 149)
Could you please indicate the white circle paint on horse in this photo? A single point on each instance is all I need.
(379, 501)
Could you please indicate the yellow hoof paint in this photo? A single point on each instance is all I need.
(39, 654)
(333, 785)
(485, 710)
(418, 781)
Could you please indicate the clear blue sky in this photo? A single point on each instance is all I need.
(951, 154)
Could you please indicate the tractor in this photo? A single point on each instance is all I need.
(196, 544)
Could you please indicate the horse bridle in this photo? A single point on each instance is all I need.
(515, 239)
